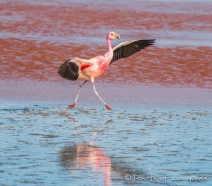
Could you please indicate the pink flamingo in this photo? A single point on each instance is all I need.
(88, 70)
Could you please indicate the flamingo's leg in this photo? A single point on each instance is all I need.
(100, 97)
(74, 104)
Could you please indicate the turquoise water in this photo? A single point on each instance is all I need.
(52, 145)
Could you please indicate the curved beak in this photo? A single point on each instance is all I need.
(117, 36)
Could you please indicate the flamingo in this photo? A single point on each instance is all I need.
(87, 70)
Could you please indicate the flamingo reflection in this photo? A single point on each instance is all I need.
(87, 156)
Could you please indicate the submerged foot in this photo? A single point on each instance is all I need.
(72, 106)
(108, 108)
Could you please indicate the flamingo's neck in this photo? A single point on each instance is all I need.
(110, 49)
(107, 59)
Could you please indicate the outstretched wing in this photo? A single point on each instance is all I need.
(128, 48)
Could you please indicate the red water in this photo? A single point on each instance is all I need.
(36, 38)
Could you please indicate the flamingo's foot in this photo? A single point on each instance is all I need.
(72, 106)
(108, 108)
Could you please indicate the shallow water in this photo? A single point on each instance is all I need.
(160, 128)
(52, 145)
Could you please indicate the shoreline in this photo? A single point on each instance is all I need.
(120, 96)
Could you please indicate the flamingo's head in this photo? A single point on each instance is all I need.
(112, 35)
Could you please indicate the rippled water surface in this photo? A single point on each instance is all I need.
(160, 127)
(52, 145)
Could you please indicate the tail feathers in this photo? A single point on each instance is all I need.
(69, 70)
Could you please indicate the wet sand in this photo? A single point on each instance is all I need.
(160, 127)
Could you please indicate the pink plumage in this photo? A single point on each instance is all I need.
(88, 70)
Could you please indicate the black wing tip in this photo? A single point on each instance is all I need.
(151, 41)
(148, 42)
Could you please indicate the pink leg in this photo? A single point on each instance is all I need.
(74, 104)
(108, 108)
